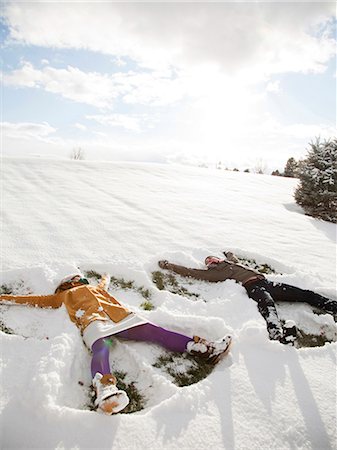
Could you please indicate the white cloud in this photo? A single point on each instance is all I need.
(100, 134)
(27, 130)
(273, 86)
(309, 131)
(266, 37)
(119, 62)
(91, 88)
(100, 90)
(80, 126)
(125, 121)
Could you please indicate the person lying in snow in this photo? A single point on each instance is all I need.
(258, 288)
(99, 316)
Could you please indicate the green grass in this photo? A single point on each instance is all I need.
(137, 400)
(169, 282)
(263, 268)
(194, 369)
(159, 279)
(144, 292)
(5, 289)
(147, 305)
(121, 283)
(310, 340)
(92, 274)
(5, 329)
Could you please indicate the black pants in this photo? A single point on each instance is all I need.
(265, 293)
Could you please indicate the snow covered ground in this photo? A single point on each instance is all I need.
(122, 218)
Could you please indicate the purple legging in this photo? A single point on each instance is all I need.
(147, 332)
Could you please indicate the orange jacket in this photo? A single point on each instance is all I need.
(84, 303)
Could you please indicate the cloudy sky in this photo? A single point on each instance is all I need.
(187, 82)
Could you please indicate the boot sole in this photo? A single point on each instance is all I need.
(109, 405)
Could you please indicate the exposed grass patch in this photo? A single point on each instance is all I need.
(90, 403)
(184, 368)
(128, 284)
(159, 279)
(5, 289)
(169, 282)
(93, 274)
(252, 264)
(310, 340)
(5, 329)
(121, 283)
(144, 292)
(147, 305)
(15, 288)
(137, 400)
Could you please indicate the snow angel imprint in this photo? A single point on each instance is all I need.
(99, 316)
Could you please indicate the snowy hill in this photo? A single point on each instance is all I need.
(122, 218)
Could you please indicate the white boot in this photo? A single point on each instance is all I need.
(212, 351)
(109, 399)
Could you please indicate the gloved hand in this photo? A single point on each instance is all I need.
(163, 264)
(231, 257)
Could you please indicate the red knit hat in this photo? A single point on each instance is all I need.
(213, 260)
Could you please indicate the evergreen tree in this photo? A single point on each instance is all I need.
(317, 191)
(291, 168)
(276, 173)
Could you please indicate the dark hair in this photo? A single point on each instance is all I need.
(70, 284)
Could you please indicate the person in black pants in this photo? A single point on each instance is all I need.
(258, 288)
(266, 292)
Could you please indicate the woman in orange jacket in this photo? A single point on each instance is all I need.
(99, 316)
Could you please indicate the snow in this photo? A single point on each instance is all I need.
(121, 218)
(79, 313)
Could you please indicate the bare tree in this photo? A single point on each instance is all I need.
(260, 166)
(77, 154)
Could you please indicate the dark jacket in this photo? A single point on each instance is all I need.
(228, 269)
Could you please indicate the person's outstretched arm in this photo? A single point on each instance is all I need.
(41, 301)
(104, 283)
(198, 274)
